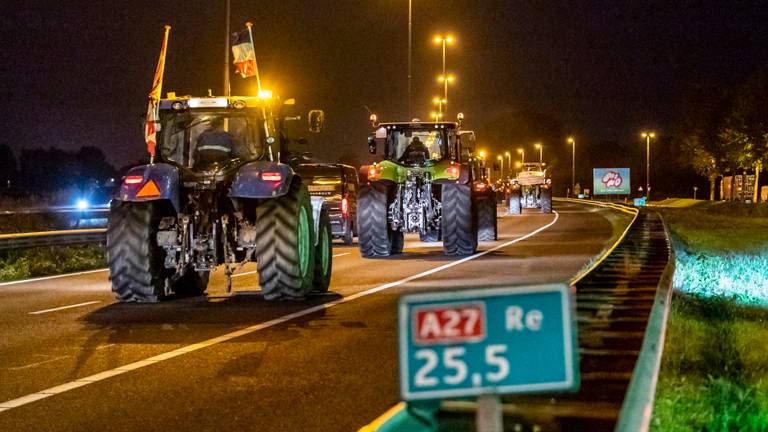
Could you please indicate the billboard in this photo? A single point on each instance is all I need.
(611, 181)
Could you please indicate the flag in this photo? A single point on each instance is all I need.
(154, 97)
(244, 53)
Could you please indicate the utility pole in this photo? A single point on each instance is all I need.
(410, 99)
(226, 51)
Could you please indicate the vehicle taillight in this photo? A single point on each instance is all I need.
(344, 207)
(373, 172)
(453, 171)
(271, 176)
(132, 180)
(480, 186)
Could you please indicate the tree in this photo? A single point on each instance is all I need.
(699, 138)
(745, 129)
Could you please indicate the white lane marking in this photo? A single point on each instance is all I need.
(51, 277)
(31, 365)
(24, 400)
(64, 307)
(341, 254)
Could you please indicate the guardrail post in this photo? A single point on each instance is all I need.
(488, 417)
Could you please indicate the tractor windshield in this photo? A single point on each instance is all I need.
(417, 146)
(198, 139)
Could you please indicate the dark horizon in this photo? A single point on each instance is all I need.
(605, 71)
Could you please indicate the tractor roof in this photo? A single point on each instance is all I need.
(237, 102)
(419, 124)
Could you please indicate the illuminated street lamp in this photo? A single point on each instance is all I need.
(481, 154)
(648, 136)
(518, 165)
(541, 151)
(436, 115)
(572, 142)
(501, 160)
(444, 40)
(522, 155)
(509, 160)
(445, 79)
(439, 102)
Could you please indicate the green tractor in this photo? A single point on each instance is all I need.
(430, 183)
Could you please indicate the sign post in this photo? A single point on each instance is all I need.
(486, 343)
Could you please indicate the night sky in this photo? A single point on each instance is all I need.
(77, 73)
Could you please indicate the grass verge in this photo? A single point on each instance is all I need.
(714, 373)
(46, 261)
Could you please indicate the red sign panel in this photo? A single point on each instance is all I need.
(443, 324)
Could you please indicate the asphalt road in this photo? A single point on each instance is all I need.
(72, 359)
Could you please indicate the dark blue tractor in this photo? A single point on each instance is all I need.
(221, 190)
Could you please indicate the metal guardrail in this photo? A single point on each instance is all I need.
(96, 210)
(52, 238)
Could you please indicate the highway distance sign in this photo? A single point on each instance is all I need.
(504, 340)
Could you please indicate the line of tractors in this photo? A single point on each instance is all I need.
(223, 189)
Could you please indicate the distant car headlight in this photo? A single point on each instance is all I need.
(82, 204)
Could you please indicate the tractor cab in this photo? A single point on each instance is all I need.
(418, 144)
(210, 134)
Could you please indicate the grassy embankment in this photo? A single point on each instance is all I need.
(714, 374)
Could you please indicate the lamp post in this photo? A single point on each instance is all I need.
(501, 160)
(517, 166)
(509, 160)
(444, 40)
(410, 10)
(648, 136)
(439, 102)
(522, 155)
(541, 151)
(572, 142)
(445, 79)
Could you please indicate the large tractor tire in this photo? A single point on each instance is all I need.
(374, 236)
(323, 254)
(136, 263)
(285, 252)
(486, 219)
(515, 207)
(546, 200)
(459, 220)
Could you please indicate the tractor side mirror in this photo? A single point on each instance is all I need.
(302, 140)
(371, 145)
(316, 120)
(306, 156)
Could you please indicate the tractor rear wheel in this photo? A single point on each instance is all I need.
(284, 244)
(486, 218)
(136, 263)
(515, 206)
(323, 254)
(374, 236)
(459, 220)
(546, 200)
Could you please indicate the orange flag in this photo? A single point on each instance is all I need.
(154, 96)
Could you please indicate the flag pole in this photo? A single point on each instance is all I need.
(154, 96)
(227, 91)
(255, 63)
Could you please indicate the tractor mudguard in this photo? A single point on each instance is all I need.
(262, 179)
(166, 184)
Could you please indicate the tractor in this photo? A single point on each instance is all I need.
(221, 190)
(531, 188)
(429, 183)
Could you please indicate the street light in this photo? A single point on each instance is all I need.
(572, 142)
(541, 151)
(444, 40)
(522, 155)
(501, 160)
(481, 154)
(509, 160)
(436, 116)
(439, 102)
(445, 79)
(648, 136)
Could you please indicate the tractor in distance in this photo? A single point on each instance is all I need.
(429, 182)
(531, 188)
